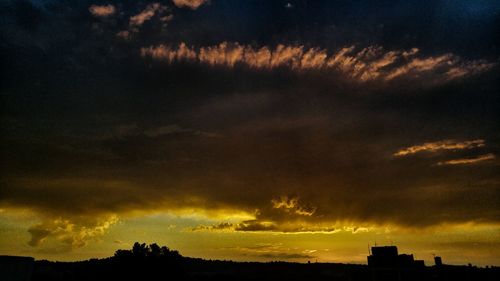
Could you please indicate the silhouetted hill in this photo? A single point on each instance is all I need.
(152, 262)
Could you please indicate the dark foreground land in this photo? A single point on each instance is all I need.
(193, 269)
(155, 263)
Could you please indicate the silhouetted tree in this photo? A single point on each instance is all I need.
(140, 250)
(123, 254)
(164, 251)
(143, 251)
(155, 250)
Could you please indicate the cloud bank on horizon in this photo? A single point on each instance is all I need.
(322, 118)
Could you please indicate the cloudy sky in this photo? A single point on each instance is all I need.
(251, 130)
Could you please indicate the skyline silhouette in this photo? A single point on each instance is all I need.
(254, 130)
(152, 261)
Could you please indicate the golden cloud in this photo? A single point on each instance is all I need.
(292, 205)
(465, 161)
(441, 145)
(71, 233)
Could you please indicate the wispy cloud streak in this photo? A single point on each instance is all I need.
(469, 161)
(147, 14)
(441, 145)
(368, 64)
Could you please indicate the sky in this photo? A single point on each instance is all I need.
(251, 130)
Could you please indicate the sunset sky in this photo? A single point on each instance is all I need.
(251, 130)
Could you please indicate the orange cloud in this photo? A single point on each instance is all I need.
(192, 4)
(124, 34)
(102, 11)
(368, 64)
(147, 14)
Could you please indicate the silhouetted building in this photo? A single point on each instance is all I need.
(385, 251)
(387, 256)
(405, 260)
(438, 261)
(14, 268)
(419, 263)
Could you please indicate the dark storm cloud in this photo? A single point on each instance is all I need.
(90, 128)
